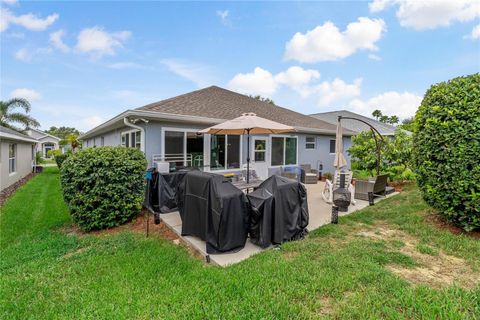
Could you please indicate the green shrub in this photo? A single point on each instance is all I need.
(60, 158)
(447, 149)
(103, 187)
(54, 153)
(38, 158)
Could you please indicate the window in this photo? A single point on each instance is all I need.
(284, 151)
(260, 150)
(102, 141)
(224, 152)
(130, 139)
(332, 146)
(310, 143)
(12, 158)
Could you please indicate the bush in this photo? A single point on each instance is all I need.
(447, 149)
(60, 158)
(38, 158)
(54, 153)
(103, 187)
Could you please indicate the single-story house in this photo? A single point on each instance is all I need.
(17, 156)
(167, 131)
(46, 142)
(384, 129)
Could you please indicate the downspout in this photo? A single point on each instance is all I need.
(142, 130)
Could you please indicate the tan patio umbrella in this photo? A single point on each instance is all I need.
(248, 123)
(339, 161)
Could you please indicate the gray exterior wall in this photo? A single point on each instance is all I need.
(24, 162)
(153, 144)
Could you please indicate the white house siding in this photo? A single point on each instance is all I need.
(24, 162)
(153, 144)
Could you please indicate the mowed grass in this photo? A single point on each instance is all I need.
(334, 273)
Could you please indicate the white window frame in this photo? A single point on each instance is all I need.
(12, 159)
(260, 151)
(185, 131)
(226, 153)
(131, 138)
(314, 143)
(334, 144)
(284, 149)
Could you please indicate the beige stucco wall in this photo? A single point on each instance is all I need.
(24, 162)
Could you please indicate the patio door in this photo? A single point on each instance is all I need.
(259, 157)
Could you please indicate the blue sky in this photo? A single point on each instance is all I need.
(81, 63)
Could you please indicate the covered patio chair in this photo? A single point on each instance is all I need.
(327, 193)
(377, 186)
(309, 175)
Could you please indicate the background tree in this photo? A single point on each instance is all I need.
(379, 116)
(10, 118)
(407, 124)
(268, 100)
(62, 132)
(72, 141)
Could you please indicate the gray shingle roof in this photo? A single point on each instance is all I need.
(13, 132)
(357, 126)
(218, 103)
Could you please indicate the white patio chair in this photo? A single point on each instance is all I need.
(327, 193)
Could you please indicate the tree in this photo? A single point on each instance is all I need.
(62, 132)
(377, 114)
(72, 141)
(393, 120)
(447, 147)
(407, 124)
(267, 100)
(8, 116)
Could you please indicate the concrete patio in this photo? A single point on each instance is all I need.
(320, 214)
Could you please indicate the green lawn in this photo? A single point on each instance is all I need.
(341, 271)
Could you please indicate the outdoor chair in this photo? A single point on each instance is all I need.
(291, 172)
(376, 186)
(308, 175)
(330, 186)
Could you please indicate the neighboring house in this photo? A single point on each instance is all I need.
(17, 156)
(46, 142)
(384, 129)
(167, 131)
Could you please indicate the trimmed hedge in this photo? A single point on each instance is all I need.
(447, 149)
(60, 158)
(103, 187)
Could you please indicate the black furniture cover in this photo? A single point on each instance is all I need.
(161, 190)
(214, 210)
(279, 211)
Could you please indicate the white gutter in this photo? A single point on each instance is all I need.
(142, 135)
(15, 137)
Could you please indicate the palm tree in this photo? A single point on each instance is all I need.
(8, 116)
(72, 140)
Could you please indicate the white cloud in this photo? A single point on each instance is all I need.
(475, 34)
(29, 94)
(28, 21)
(57, 42)
(298, 79)
(99, 42)
(303, 81)
(92, 121)
(423, 15)
(23, 55)
(10, 2)
(337, 91)
(390, 103)
(199, 74)
(15, 35)
(125, 65)
(374, 57)
(27, 54)
(327, 43)
(223, 16)
(259, 82)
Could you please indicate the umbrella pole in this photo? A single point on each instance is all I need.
(248, 156)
